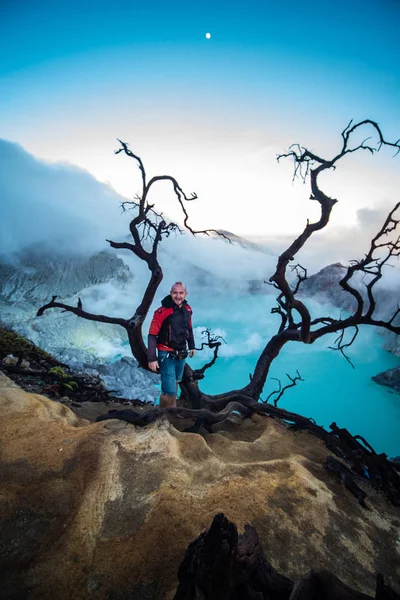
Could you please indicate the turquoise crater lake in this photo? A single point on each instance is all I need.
(332, 390)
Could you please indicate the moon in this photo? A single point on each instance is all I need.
(208, 35)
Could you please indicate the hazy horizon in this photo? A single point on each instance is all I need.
(67, 209)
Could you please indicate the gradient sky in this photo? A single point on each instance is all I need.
(214, 113)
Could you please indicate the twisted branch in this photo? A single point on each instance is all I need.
(213, 342)
(341, 346)
(79, 312)
(280, 391)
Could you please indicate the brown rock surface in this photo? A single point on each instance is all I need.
(106, 510)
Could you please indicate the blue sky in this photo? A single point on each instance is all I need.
(76, 75)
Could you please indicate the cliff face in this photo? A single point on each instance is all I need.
(35, 277)
(324, 286)
(107, 510)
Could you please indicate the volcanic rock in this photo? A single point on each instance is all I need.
(36, 276)
(324, 286)
(106, 510)
(391, 378)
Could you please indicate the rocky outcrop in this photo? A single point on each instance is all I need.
(391, 342)
(35, 277)
(390, 378)
(107, 510)
(324, 287)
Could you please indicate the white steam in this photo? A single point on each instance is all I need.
(64, 209)
(57, 206)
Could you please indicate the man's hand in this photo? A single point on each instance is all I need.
(191, 353)
(153, 366)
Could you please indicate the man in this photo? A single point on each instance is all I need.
(171, 333)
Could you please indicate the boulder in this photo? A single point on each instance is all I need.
(107, 510)
(13, 361)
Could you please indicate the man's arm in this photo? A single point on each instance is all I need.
(191, 343)
(152, 353)
(154, 330)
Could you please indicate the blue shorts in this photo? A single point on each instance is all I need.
(171, 371)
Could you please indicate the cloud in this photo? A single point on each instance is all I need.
(219, 258)
(339, 243)
(63, 208)
(55, 205)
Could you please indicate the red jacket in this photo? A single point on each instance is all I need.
(171, 328)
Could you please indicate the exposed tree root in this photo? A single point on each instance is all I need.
(363, 461)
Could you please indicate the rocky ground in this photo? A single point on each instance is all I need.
(107, 510)
(36, 371)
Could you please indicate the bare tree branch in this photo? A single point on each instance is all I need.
(144, 207)
(213, 342)
(372, 264)
(283, 313)
(129, 152)
(341, 346)
(274, 392)
(301, 274)
(79, 312)
(280, 391)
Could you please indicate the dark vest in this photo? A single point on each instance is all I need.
(174, 331)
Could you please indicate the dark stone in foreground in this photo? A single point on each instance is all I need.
(222, 565)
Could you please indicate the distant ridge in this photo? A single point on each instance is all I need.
(34, 276)
(244, 242)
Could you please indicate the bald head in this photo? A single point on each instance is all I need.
(179, 284)
(178, 292)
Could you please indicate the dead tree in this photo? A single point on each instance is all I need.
(296, 324)
(147, 229)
